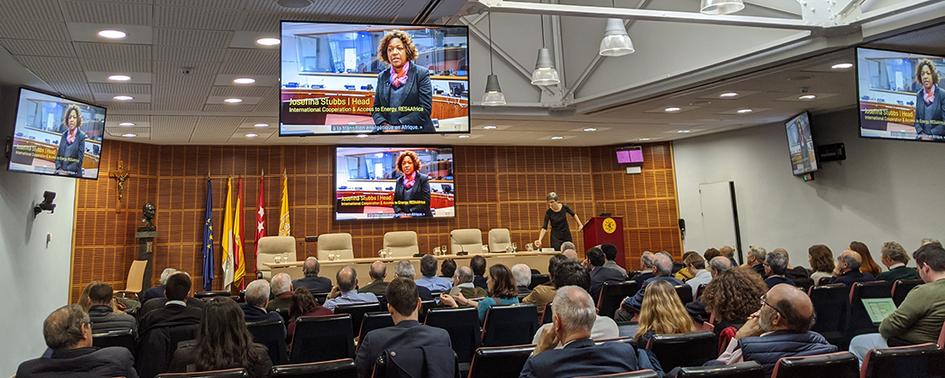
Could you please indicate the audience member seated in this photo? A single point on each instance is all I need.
(610, 252)
(798, 275)
(429, 279)
(646, 262)
(728, 251)
(756, 259)
(600, 273)
(662, 313)
(920, 317)
(931, 241)
(312, 281)
(378, 273)
(102, 313)
(895, 258)
(501, 292)
(405, 269)
(574, 317)
(700, 276)
(303, 304)
(462, 283)
(157, 291)
(775, 266)
(821, 262)
(848, 269)
(572, 273)
(156, 303)
(662, 271)
(569, 250)
(223, 342)
(478, 265)
(696, 308)
(523, 277)
(403, 303)
(347, 290)
(176, 310)
(781, 328)
(685, 274)
(711, 253)
(867, 264)
(68, 334)
(543, 294)
(257, 300)
(732, 296)
(677, 266)
(281, 286)
(448, 269)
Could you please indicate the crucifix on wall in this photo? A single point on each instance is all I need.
(120, 175)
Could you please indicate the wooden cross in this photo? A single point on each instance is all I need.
(120, 175)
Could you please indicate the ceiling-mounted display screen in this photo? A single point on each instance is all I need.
(342, 78)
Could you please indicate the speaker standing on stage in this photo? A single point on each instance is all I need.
(557, 217)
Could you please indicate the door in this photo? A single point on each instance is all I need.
(719, 215)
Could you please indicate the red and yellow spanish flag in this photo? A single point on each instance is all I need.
(226, 242)
(239, 259)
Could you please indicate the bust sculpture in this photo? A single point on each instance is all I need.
(148, 212)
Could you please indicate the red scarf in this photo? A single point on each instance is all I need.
(70, 135)
(929, 95)
(409, 180)
(396, 80)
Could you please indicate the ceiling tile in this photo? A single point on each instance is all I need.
(32, 29)
(173, 128)
(112, 51)
(38, 47)
(129, 89)
(188, 54)
(197, 18)
(123, 66)
(251, 61)
(40, 10)
(191, 37)
(42, 64)
(106, 13)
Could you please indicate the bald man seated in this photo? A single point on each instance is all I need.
(312, 281)
(347, 290)
(847, 271)
(781, 328)
(378, 273)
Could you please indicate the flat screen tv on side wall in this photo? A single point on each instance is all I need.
(54, 135)
(339, 78)
(385, 182)
(801, 145)
(901, 95)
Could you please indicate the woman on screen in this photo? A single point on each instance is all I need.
(71, 151)
(403, 99)
(929, 103)
(557, 218)
(412, 190)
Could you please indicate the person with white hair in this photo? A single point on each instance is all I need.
(756, 259)
(157, 291)
(281, 285)
(257, 297)
(662, 271)
(523, 277)
(573, 318)
(646, 264)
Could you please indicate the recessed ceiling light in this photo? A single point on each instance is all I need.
(244, 80)
(671, 109)
(112, 34)
(728, 94)
(252, 135)
(684, 131)
(123, 98)
(362, 135)
(119, 78)
(268, 41)
(463, 136)
(743, 111)
(233, 100)
(490, 127)
(126, 124)
(129, 135)
(590, 129)
(841, 66)
(261, 125)
(806, 97)
(644, 139)
(557, 138)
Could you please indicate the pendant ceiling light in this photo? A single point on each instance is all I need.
(493, 95)
(616, 41)
(721, 7)
(545, 73)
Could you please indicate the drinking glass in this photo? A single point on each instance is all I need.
(443, 249)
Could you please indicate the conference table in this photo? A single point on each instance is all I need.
(328, 268)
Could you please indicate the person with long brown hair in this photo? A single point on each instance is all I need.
(303, 304)
(869, 265)
(733, 295)
(502, 292)
(662, 313)
(821, 262)
(223, 342)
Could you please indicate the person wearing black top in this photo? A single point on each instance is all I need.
(557, 218)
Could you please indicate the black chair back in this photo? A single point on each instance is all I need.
(685, 349)
(374, 320)
(463, 326)
(538, 279)
(320, 297)
(701, 289)
(340, 368)
(159, 345)
(357, 312)
(493, 362)
(322, 338)
(901, 288)
(750, 369)
(833, 365)
(121, 338)
(645, 373)
(271, 333)
(922, 360)
(210, 294)
(830, 305)
(224, 373)
(612, 294)
(858, 320)
(510, 325)
(284, 313)
(685, 293)
(546, 315)
(425, 307)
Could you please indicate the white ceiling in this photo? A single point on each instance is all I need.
(184, 54)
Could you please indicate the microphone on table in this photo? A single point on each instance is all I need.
(462, 250)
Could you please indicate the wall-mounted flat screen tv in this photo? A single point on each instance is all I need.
(801, 145)
(383, 182)
(339, 78)
(54, 135)
(630, 155)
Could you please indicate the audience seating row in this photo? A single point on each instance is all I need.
(840, 311)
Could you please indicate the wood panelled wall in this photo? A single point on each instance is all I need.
(495, 187)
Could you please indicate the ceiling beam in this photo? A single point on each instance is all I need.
(516, 66)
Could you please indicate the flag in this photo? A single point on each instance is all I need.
(284, 227)
(207, 249)
(260, 214)
(227, 244)
(239, 258)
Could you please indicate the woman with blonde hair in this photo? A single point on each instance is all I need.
(662, 313)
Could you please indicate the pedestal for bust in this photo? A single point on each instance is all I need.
(145, 240)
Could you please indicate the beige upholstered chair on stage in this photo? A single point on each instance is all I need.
(338, 244)
(467, 240)
(272, 247)
(135, 281)
(402, 243)
(499, 239)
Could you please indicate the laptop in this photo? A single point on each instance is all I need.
(878, 308)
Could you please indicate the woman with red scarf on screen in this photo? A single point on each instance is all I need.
(403, 98)
(930, 103)
(412, 190)
(71, 150)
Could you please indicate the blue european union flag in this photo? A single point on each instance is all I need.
(208, 267)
